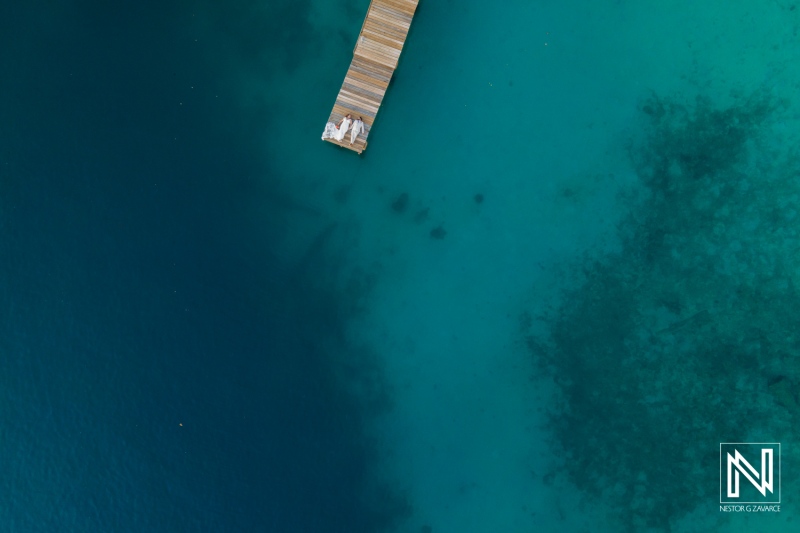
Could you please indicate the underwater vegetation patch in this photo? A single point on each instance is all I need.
(688, 336)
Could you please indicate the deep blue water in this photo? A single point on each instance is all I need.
(158, 370)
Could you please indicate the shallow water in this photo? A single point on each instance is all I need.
(211, 320)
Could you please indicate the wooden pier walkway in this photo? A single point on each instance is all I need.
(375, 58)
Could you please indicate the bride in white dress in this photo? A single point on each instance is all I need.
(337, 131)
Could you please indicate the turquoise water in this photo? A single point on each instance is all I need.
(212, 321)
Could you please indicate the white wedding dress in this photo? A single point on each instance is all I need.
(337, 134)
(342, 129)
(330, 131)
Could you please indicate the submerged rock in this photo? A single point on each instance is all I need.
(438, 232)
(400, 204)
(342, 194)
(781, 390)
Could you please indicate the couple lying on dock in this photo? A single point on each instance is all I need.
(337, 131)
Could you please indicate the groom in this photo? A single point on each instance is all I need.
(355, 129)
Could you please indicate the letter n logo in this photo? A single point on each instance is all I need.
(750, 472)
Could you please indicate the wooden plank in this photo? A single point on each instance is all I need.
(344, 108)
(376, 54)
(388, 12)
(367, 79)
(374, 69)
(388, 19)
(385, 61)
(378, 26)
(370, 98)
(383, 39)
(402, 9)
(354, 102)
(404, 5)
(379, 48)
(367, 88)
(353, 98)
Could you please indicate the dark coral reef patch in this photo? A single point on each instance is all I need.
(687, 337)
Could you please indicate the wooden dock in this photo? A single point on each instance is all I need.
(375, 58)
